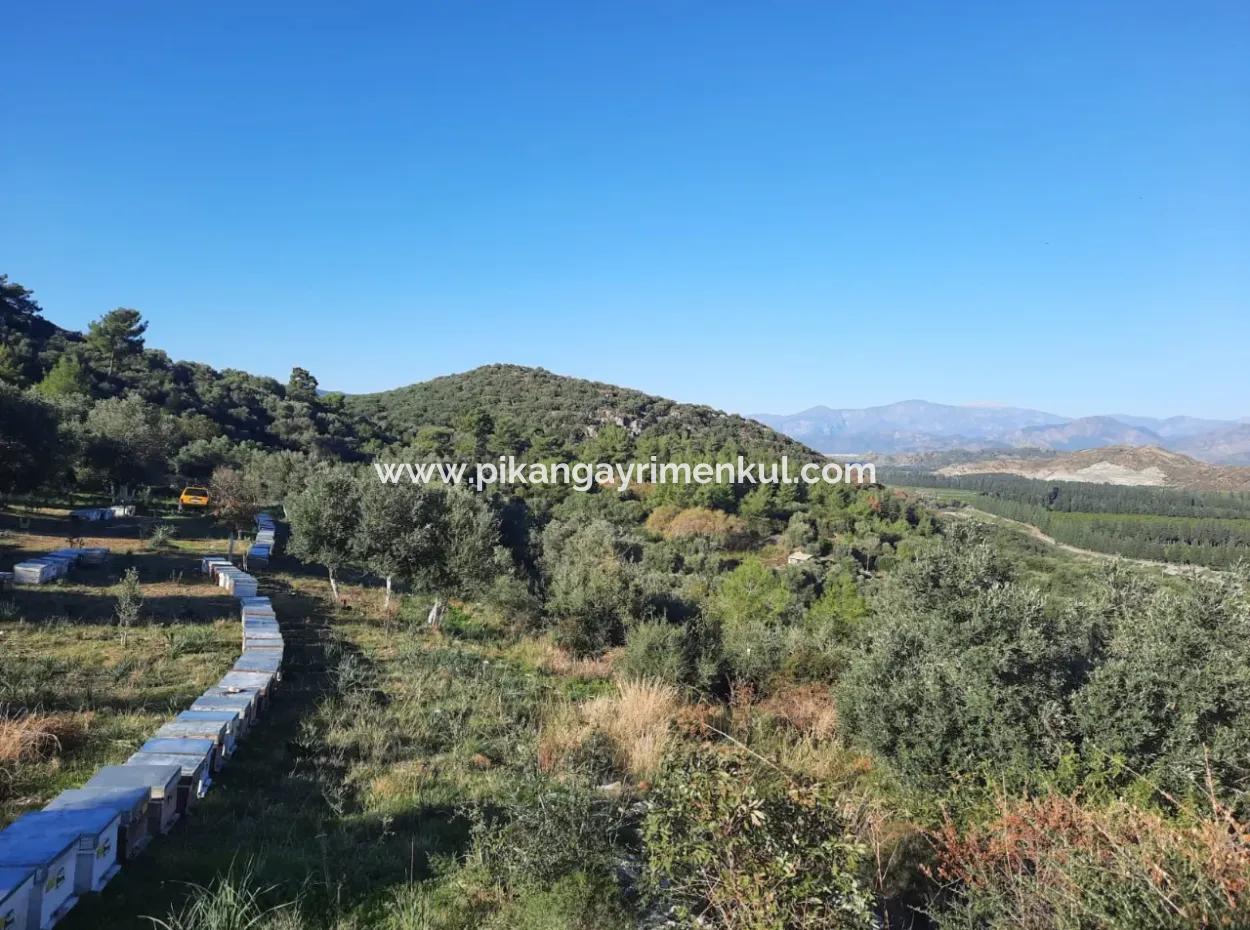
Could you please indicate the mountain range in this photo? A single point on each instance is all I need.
(922, 426)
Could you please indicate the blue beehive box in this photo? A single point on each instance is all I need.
(53, 859)
(231, 719)
(130, 803)
(215, 730)
(95, 833)
(161, 783)
(196, 776)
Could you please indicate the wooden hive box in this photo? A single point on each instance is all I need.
(130, 803)
(161, 783)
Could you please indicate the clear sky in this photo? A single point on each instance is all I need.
(759, 205)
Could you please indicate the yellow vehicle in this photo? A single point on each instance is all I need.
(193, 496)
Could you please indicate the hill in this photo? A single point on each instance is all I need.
(121, 413)
(1147, 466)
(536, 406)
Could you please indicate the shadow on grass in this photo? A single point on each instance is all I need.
(282, 806)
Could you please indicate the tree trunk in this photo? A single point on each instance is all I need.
(334, 585)
(386, 603)
(230, 546)
(436, 613)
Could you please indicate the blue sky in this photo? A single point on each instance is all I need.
(757, 205)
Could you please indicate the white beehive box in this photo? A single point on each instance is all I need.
(214, 730)
(161, 782)
(95, 835)
(131, 803)
(53, 859)
(211, 564)
(34, 571)
(17, 885)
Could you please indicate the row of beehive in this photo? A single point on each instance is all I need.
(261, 550)
(57, 564)
(103, 514)
(78, 842)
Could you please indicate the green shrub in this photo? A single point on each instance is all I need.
(732, 844)
(1172, 698)
(959, 671)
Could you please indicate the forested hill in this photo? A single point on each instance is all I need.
(107, 409)
(532, 408)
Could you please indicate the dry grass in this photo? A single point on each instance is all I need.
(637, 720)
(552, 659)
(809, 710)
(31, 737)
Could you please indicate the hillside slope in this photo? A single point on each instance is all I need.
(1144, 466)
(566, 411)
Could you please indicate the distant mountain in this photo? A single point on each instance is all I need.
(1084, 433)
(910, 425)
(1129, 465)
(1230, 446)
(918, 426)
(1174, 427)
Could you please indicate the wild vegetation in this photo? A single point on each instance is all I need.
(540, 708)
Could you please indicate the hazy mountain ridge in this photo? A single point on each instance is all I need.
(921, 426)
(1144, 466)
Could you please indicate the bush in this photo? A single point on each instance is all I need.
(1172, 698)
(732, 844)
(687, 655)
(959, 671)
(1053, 864)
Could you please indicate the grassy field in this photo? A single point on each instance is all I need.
(380, 789)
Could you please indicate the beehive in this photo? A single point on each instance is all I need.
(130, 803)
(232, 720)
(254, 695)
(274, 646)
(52, 857)
(258, 661)
(195, 778)
(161, 782)
(205, 748)
(35, 571)
(17, 884)
(214, 730)
(94, 835)
(211, 564)
(241, 704)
